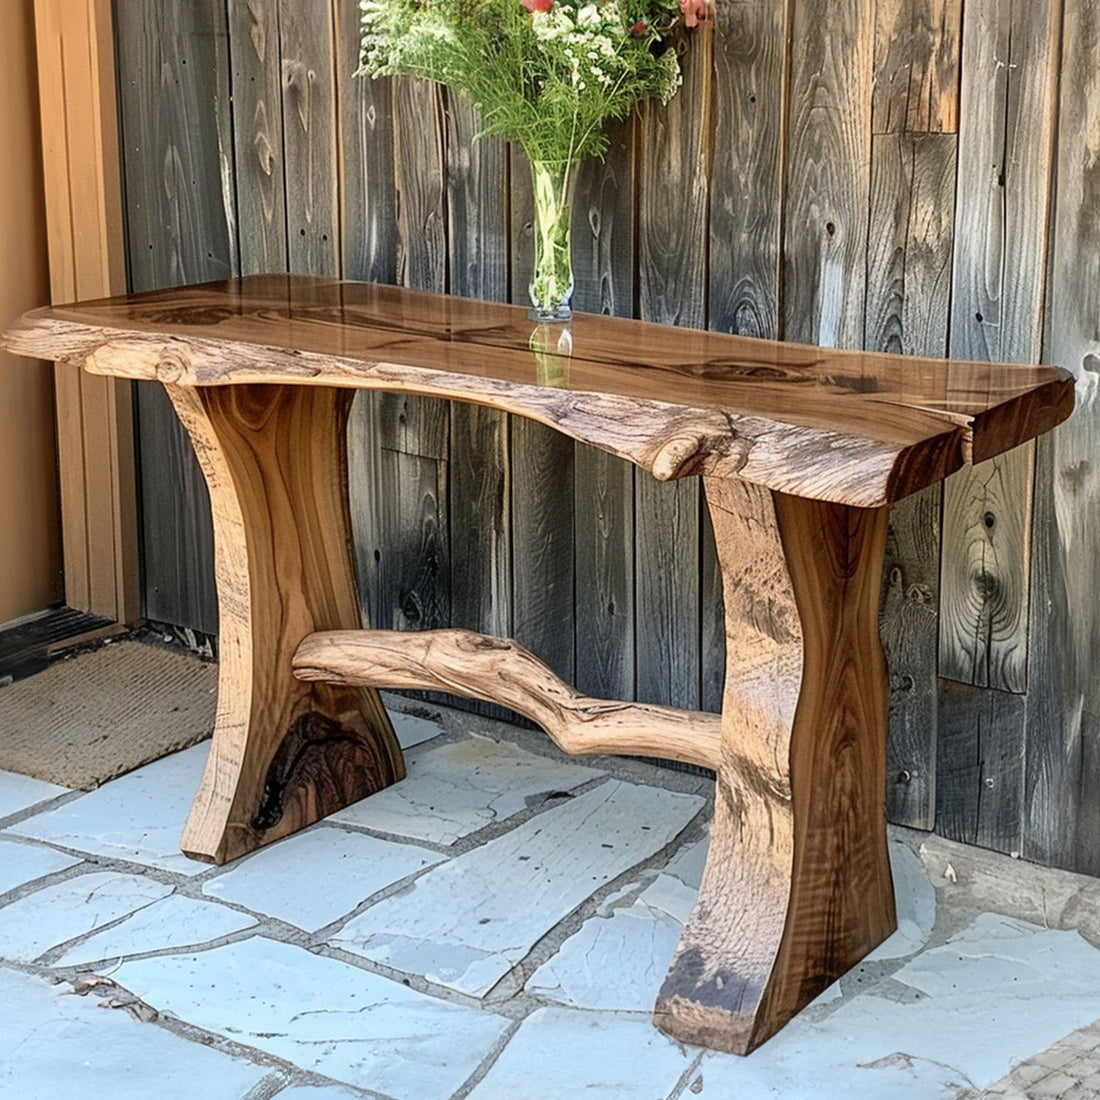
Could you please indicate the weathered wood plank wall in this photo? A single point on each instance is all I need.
(895, 174)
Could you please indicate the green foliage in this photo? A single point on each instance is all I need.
(545, 79)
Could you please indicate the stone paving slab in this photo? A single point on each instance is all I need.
(577, 1056)
(318, 1092)
(322, 1015)
(614, 963)
(465, 923)
(172, 923)
(313, 878)
(56, 1045)
(138, 817)
(915, 1021)
(56, 914)
(992, 996)
(20, 792)
(456, 789)
(23, 863)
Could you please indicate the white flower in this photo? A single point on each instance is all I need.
(588, 16)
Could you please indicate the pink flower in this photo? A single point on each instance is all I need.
(695, 12)
(537, 5)
(638, 29)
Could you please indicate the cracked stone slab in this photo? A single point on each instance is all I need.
(174, 922)
(313, 878)
(413, 730)
(573, 1055)
(916, 901)
(467, 922)
(988, 999)
(20, 792)
(23, 863)
(60, 1045)
(138, 817)
(614, 963)
(38, 922)
(322, 1015)
(1004, 957)
(455, 789)
(675, 889)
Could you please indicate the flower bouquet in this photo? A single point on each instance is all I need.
(545, 74)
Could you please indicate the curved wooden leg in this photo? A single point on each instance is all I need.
(285, 753)
(797, 886)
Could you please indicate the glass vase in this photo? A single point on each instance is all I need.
(551, 286)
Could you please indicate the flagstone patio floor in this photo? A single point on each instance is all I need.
(495, 927)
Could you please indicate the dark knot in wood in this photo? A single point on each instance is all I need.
(322, 756)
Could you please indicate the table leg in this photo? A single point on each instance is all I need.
(285, 753)
(797, 886)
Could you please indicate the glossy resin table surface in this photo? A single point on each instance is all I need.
(899, 422)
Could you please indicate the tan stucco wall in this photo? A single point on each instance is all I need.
(30, 570)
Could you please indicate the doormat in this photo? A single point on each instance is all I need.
(90, 717)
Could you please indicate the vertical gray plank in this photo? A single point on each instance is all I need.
(672, 288)
(480, 512)
(981, 761)
(828, 173)
(368, 229)
(542, 465)
(908, 301)
(174, 109)
(368, 206)
(1062, 810)
(917, 66)
(309, 135)
(603, 266)
(746, 191)
(414, 575)
(1005, 169)
(746, 218)
(258, 134)
(420, 166)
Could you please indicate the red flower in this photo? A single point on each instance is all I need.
(694, 11)
(638, 30)
(537, 5)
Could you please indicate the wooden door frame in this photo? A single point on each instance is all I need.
(84, 218)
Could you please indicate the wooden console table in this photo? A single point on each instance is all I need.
(801, 451)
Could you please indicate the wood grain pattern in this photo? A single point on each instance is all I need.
(502, 671)
(909, 629)
(747, 170)
(672, 274)
(479, 517)
(1062, 813)
(414, 431)
(828, 159)
(284, 754)
(254, 48)
(891, 441)
(368, 207)
(917, 46)
(603, 485)
(309, 135)
(542, 471)
(1005, 170)
(979, 789)
(176, 141)
(797, 884)
(908, 305)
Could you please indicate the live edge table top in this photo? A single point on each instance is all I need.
(858, 428)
